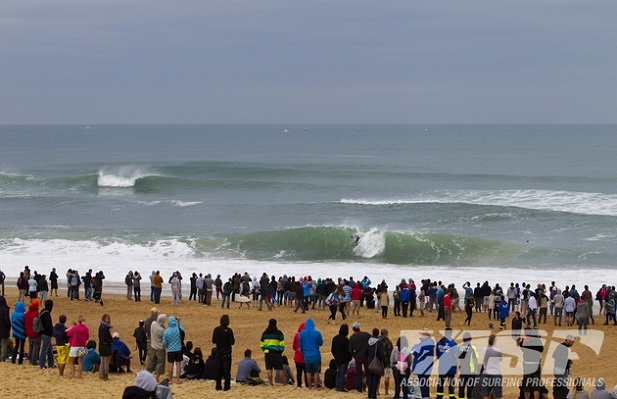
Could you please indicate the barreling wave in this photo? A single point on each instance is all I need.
(323, 244)
(540, 200)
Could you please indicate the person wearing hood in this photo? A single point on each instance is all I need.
(105, 343)
(340, 352)
(600, 392)
(47, 354)
(299, 358)
(156, 350)
(34, 338)
(5, 328)
(374, 348)
(310, 342)
(146, 388)
(19, 331)
(172, 341)
(223, 338)
(357, 346)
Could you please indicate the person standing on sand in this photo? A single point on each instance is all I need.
(137, 286)
(47, 354)
(208, 287)
(105, 343)
(78, 336)
(223, 338)
(2, 278)
(310, 342)
(156, 350)
(423, 359)
(357, 347)
(19, 331)
(299, 358)
(340, 352)
(175, 289)
(128, 281)
(62, 343)
(158, 287)
(53, 278)
(34, 338)
(273, 344)
(172, 341)
(5, 328)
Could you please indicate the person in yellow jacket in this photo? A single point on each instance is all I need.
(467, 357)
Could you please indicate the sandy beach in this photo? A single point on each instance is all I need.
(248, 325)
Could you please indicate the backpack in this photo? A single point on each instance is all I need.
(37, 323)
(402, 362)
(332, 299)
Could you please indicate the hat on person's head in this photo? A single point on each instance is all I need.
(35, 303)
(466, 336)
(115, 335)
(425, 333)
(355, 326)
(569, 337)
(600, 384)
(154, 310)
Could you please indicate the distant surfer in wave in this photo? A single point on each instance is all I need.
(355, 238)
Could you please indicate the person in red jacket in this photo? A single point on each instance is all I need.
(34, 339)
(447, 308)
(299, 358)
(356, 297)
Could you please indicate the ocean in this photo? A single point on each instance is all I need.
(502, 203)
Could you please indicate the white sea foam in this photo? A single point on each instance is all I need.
(121, 176)
(185, 203)
(544, 200)
(372, 243)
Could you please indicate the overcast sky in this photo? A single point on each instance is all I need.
(308, 61)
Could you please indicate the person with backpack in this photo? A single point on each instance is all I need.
(333, 301)
(22, 286)
(400, 359)
(34, 337)
(128, 281)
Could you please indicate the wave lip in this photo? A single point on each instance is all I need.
(121, 176)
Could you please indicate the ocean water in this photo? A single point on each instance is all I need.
(453, 202)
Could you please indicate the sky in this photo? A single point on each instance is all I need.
(308, 61)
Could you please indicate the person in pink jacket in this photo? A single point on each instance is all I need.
(78, 337)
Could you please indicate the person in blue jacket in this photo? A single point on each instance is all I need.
(172, 341)
(423, 357)
(19, 331)
(310, 341)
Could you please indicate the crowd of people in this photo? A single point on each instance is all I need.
(361, 360)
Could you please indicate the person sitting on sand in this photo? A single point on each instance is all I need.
(121, 355)
(145, 387)
(248, 370)
(92, 360)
